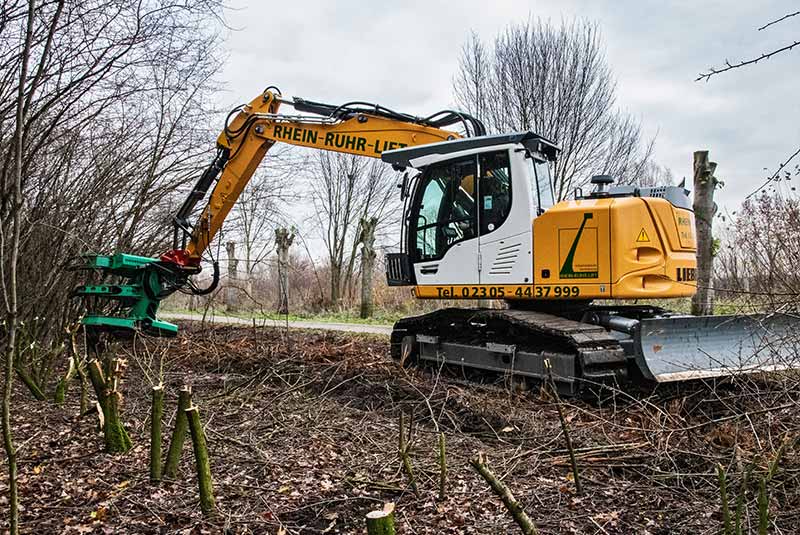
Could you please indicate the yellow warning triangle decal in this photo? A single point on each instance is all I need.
(643, 237)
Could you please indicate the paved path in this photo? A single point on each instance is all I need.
(347, 327)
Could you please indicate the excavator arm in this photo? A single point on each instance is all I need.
(359, 128)
(351, 129)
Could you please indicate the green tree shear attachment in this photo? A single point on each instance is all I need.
(128, 298)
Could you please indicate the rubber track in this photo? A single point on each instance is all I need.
(600, 358)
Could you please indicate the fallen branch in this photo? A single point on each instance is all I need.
(504, 493)
(565, 430)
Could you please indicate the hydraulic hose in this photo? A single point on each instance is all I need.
(212, 286)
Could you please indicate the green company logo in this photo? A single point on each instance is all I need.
(567, 271)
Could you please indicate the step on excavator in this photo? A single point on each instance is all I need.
(480, 221)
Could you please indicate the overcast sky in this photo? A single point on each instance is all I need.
(404, 55)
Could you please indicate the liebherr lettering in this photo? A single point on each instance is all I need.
(333, 140)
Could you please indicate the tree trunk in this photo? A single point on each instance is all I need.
(109, 397)
(31, 384)
(156, 414)
(283, 240)
(178, 433)
(704, 209)
(62, 386)
(75, 363)
(11, 297)
(367, 239)
(232, 288)
(84, 388)
(336, 287)
(207, 504)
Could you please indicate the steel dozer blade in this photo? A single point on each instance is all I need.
(128, 304)
(682, 348)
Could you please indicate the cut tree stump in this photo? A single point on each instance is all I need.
(156, 415)
(106, 386)
(207, 503)
(381, 522)
(178, 433)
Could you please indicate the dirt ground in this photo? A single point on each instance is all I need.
(303, 435)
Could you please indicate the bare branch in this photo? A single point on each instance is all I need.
(775, 174)
(730, 66)
(776, 21)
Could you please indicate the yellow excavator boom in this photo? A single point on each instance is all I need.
(258, 126)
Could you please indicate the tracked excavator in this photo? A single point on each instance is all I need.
(480, 221)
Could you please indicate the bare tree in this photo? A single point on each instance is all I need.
(117, 125)
(367, 240)
(103, 117)
(555, 81)
(757, 261)
(10, 293)
(344, 189)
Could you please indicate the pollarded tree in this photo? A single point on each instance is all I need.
(344, 189)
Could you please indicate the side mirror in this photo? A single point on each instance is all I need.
(403, 185)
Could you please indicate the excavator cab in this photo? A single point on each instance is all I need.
(474, 200)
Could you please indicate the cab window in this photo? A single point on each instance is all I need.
(495, 190)
(542, 186)
(446, 213)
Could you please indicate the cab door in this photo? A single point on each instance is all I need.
(444, 224)
(504, 217)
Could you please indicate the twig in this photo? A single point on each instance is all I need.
(776, 21)
(723, 496)
(565, 429)
(405, 459)
(442, 467)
